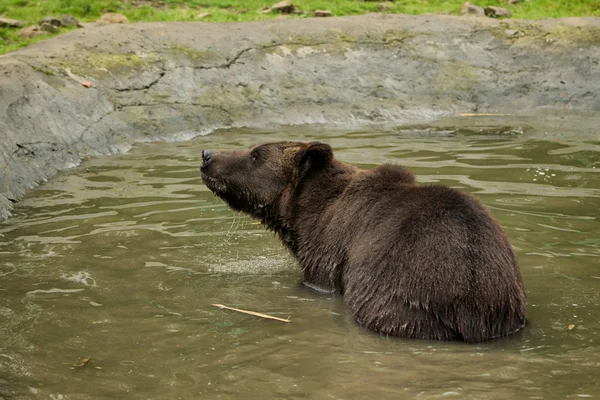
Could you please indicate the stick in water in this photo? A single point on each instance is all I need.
(256, 314)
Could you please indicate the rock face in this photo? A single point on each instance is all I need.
(156, 80)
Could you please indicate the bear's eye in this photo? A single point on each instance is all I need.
(254, 157)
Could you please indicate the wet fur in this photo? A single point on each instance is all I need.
(413, 261)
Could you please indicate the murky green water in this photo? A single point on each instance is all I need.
(121, 258)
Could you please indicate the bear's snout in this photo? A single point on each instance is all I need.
(207, 156)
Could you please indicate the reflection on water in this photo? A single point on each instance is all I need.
(121, 258)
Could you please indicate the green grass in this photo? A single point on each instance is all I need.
(249, 10)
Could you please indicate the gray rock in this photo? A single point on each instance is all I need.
(511, 32)
(322, 13)
(46, 27)
(497, 12)
(50, 20)
(284, 7)
(10, 23)
(472, 9)
(512, 2)
(156, 80)
(69, 20)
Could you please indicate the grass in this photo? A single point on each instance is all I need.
(249, 10)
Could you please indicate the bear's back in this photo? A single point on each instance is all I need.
(435, 249)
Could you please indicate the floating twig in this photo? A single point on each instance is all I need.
(83, 362)
(256, 314)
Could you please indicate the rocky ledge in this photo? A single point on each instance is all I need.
(96, 91)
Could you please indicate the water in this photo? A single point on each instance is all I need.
(121, 258)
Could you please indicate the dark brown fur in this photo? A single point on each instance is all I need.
(412, 261)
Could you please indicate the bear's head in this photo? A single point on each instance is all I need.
(255, 179)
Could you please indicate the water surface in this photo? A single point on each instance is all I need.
(121, 258)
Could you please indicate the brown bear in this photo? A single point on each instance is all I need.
(413, 261)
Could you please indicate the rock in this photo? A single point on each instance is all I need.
(323, 13)
(497, 12)
(511, 32)
(511, 2)
(10, 23)
(472, 9)
(30, 32)
(203, 15)
(47, 27)
(113, 18)
(284, 7)
(50, 20)
(69, 20)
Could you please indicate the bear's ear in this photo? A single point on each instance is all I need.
(316, 155)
